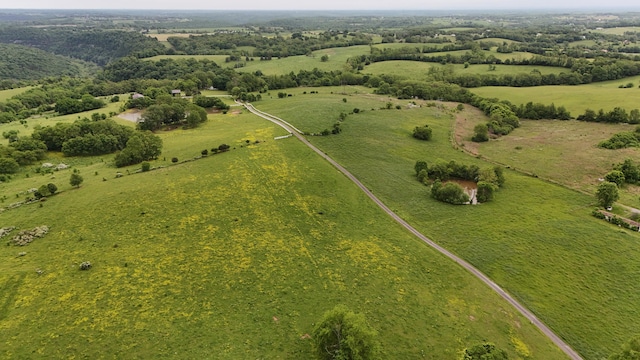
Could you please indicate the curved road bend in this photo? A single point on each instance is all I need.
(484, 278)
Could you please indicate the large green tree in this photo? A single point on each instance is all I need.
(142, 146)
(344, 335)
(607, 193)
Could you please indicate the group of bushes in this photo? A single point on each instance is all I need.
(422, 132)
(487, 180)
(617, 115)
(22, 151)
(171, 111)
(622, 140)
(625, 172)
(84, 137)
(615, 220)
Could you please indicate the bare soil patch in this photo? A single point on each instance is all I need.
(131, 115)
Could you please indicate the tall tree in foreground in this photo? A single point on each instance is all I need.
(344, 335)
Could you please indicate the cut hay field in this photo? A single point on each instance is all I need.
(237, 255)
(419, 70)
(603, 95)
(538, 240)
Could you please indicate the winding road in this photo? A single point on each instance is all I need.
(572, 354)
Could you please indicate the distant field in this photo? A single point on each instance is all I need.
(237, 255)
(282, 66)
(164, 37)
(419, 70)
(498, 40)
(595, 96)
(218, 59)
(7, 94)
(409, 45)
(618, 30)
(536, 239)
(563, 151)
(583, 43)
(52, 120)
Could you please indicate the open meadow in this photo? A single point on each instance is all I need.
(565, 152)
(236, 254)
(9, 93)
(538, 240)
(595, 96)
(418, 70)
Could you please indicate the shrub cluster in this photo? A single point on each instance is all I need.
(617, 115)
(84, 137)
(23, 151)
(422, 132)
(614, 220)
(488, 180)
(622, 140)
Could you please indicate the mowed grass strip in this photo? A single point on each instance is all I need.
(538, 240)
(237, 254)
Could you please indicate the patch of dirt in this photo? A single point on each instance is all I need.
(236, 112)
(131, 115)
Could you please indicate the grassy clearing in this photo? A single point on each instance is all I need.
(237, 255)
(618, 30)
(337, 59)
(9, 93)
(603, 95)
(48, 119)
(498, 40)
(562, 151)
(419, 70)
(538, 240)
(218, 59)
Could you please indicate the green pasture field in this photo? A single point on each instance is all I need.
(282, 66)
(618, 30)
(218, 59)
(165, 37)
(419, 70)
(409, 45)
(498, 40)
(565, 152)
(48, 119)
(538, 240)
(337, 60)
(583, 43)
(459, 29)
(236, 254)
(603, 95)
(9, 93)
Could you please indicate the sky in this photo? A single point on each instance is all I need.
(323, 4)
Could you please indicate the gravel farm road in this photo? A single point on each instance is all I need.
(572, 354)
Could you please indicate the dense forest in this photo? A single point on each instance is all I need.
(19, 62)
(93, 45)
